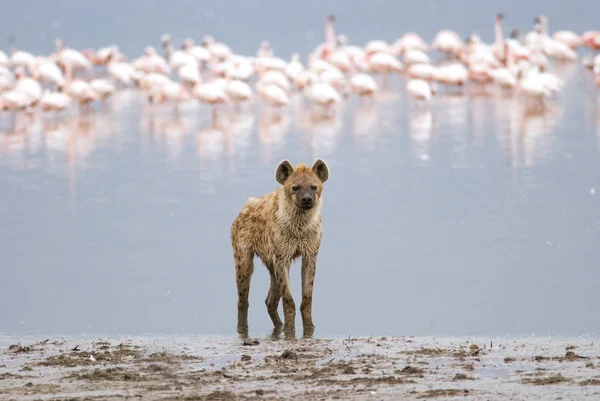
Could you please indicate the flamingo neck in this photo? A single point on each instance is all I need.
(499, 34)
(330, 35)
(510, 60)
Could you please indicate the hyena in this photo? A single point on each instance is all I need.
(279, 227)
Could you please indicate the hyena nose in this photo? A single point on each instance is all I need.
(306, 199)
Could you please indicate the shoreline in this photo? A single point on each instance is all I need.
(223, 368)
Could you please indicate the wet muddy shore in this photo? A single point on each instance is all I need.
(378, 368)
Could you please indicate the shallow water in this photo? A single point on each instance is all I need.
(469, 217)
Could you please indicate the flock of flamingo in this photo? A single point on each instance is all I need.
(213, 74)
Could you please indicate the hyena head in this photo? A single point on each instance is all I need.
(302, 185)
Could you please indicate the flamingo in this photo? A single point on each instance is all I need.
(322, 94)
(265, 50)
(415, 57)
(189, 74)
(23, 59)
(409, 41)
(15, 101)
(27, 85)
(294, 67)
(218, 51)
(240, 69)
(505, 77)
(171, 91)
(454, 74)
(4, 60)
(421, 71)
(569, 38)
(120, 71)
(384, 63)
(498, 48)
(539, 86)
(448, 42)
(200, 53)
(363, 85)
(420, 89)
(54, 102)
(378, 46)
(238, 91)
(555, 48)
(273, 94)
(103, 88)
(277, 78)
(324, 50)
(71, 60)
(151, 62)
(7, 79)
(212, 94)
(46, 70)
(591, 40)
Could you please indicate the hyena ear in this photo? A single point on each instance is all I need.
(321, 170)
(284, 170)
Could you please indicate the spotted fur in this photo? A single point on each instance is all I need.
(279, 227)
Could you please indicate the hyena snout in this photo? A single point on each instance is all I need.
(305, 200)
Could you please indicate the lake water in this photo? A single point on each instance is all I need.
(470, 216)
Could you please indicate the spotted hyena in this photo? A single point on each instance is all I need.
(279, 227)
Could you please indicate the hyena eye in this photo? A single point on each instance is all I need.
(313, 187)
(295, 187)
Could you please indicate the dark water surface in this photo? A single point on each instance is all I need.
(470, 217)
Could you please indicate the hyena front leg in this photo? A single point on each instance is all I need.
(282, 268)
(244, 267)
(309, 267)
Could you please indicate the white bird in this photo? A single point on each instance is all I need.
(238, 91)
(455, 74)
(447, 41)
(71, 59)
(54, 101)
(200, 53)
(212, 94)
(272, 94)
(421, 71)
(377, 46)
(15, 101)
(383, 63)
(4, 60)
(294, 67)
(103, 88)
(569, 38)
(276, 78)
(409, 41)
(189, 74)
(22, 59)
(363, 85)
(420, 89)
(241, 70)
(218, 51)
(27, 85)
(48, 71)
(81, 91)
(322, 94)
(179, 58)
(415, 57)
(121, 72)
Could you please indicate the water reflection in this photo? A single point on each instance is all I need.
(444, 177)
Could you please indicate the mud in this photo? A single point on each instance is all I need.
(198, 368)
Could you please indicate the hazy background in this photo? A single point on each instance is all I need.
(470, 217)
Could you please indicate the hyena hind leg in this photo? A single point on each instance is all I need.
(244, 267)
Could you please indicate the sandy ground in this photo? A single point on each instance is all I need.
(201, 368)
